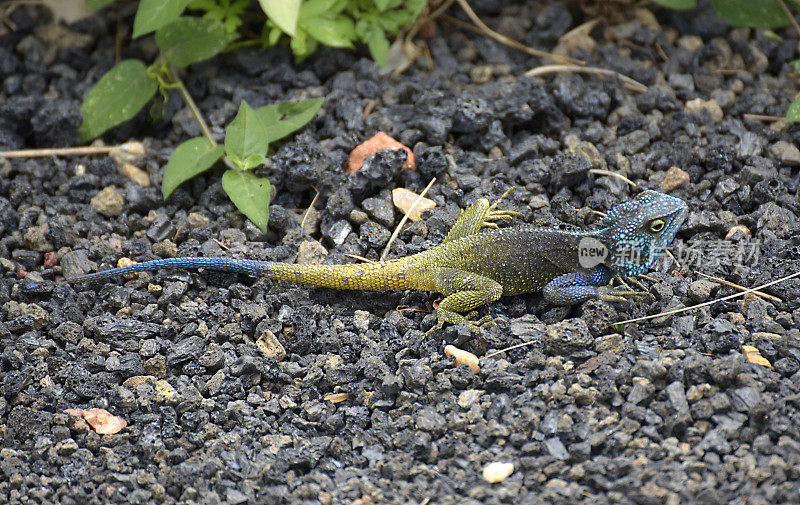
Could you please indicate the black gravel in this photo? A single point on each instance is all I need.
(237, 406)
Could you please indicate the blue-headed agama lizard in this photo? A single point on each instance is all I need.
(472, 269)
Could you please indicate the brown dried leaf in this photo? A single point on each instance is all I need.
(103, 421)
(336, 397)
(378, 142)
(403, 199)
(753, 356)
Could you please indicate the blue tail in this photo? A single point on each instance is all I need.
(249, 267)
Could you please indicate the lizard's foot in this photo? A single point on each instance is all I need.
(645, 277)
(436, 327)
(497, 202)
(634, 281)
(499, 215)
(486, 322)
(493, 215)
(469, 321)
(619, 295)
(476, 324)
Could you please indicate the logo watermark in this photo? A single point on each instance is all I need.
(591, 252)
(715, 253)
(703, 255)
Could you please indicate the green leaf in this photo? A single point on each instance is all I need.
(118, 96)
(253, 161)
(302, 45)
(247, 134)
(273, 36)
(188, 40)
(250, 194)
(190, 158)
(281, 119)
(773, 36)
(415, 7)
(378, 45)
(248, 163)
(793, 114)
(323, 21)
(153, 14)
(678, 5)
(283, 13)
(335, 32)
(93, 5)
(795, 65)
(321, 8)
(752, 13)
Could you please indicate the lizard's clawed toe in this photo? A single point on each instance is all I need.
(620, 295)
(436, 327)
(484, 322)
(499, 215)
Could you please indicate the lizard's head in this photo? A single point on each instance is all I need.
(638, 230)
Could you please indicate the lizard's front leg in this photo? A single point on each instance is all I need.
(479, 215)
(577, 287)
(464, 291)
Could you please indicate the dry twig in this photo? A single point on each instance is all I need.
(600, 171)
(403, 221)
(740, 288)
(629, 83)
(711, 302)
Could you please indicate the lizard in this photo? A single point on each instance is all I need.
(472, 269)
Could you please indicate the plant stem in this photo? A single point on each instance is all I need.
(59, 151)
(198, 116)
(192, 106)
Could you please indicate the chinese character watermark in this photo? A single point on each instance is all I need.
(703, 255)
(716, 253)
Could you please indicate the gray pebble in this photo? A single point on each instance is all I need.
(76, 263)
(187, 349)
(567, 337)
(677, 396)
(380, 209)
(161, 228)
(374, 234)
(746, 399)
(417, 375)
(642, 390)
(336, 232)
(556, 449)
(787, 153)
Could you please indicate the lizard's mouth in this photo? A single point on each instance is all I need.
(674, 226)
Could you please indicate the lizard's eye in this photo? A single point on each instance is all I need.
(656, 225)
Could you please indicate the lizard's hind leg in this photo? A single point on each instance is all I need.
(465, 291)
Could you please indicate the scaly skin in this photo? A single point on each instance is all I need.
(472, 269)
